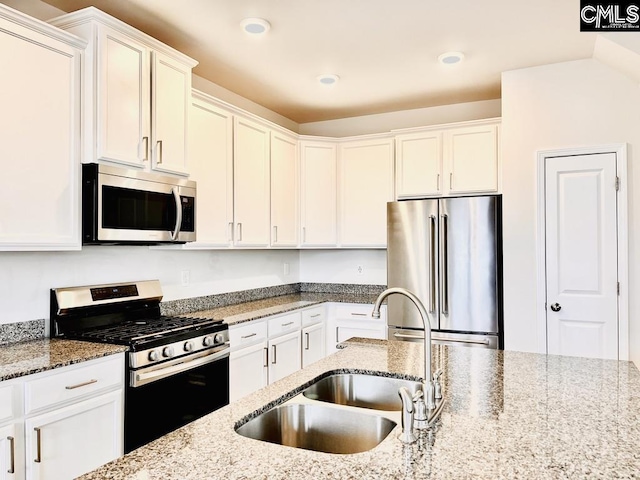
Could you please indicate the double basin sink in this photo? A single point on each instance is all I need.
(324, 428)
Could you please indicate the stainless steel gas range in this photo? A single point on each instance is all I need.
(178, 367)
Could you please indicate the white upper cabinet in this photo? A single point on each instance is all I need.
(318, 207)
(419, 164)
(137, 95)
(365, 177)
(456, 159)
(284, 190)
(122, 109)
(471, 155)
(211, 166)
(171, 95)
(251, 183)
(40, 124)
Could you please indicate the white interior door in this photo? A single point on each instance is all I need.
(581, 255)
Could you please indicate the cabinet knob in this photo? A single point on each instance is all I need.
(556, 307)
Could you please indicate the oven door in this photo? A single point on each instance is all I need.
(162, 398)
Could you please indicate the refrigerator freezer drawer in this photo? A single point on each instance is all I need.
(445, 338)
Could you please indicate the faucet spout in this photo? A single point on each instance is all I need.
(426, 322)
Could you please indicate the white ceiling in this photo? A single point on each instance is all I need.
(385, 51)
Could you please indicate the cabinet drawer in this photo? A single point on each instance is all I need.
(360, 312)
(247, 333)
(9, 404)
(284, 324)
(69, 383)
(313, 316)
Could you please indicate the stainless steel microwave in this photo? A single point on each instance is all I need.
(123, 206)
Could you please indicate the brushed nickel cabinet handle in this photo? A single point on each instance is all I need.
(239, 231)
(38, 458)
(359, 314)
(438, 183)
(275, 234)
(307, 341)
(337, 341)
(249, 336)
(83, 384)
(266, 357)
(451, 181)
(315, 316)
(159, 156)
(145, 140)
(12, 449)
(274, 360)
(231, 231)
(287, 324)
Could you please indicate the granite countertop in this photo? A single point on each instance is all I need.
(508, 415)
(254, 310)
(24, 358)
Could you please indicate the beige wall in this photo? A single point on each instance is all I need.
(383, 122)
(573, 104)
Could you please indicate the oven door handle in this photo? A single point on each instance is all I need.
(143, 377)
(176, 197)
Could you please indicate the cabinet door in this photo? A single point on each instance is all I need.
(211, 166)
(171, 97)
(122, 98)
(39, 150)
(418, 165)
(284, 356)
(313, 340)
(247, 371)
(251, 184)
(76, 439)
(11, 452)
(366, 185)
(471, 156)
(284, 191)
(318, 191)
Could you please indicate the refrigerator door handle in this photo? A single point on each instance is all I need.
(432, 263)
(445, 265)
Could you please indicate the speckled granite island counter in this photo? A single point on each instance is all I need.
(508, 415)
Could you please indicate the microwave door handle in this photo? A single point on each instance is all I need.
(176, 197)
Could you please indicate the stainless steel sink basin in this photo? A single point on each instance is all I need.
(319, 428)
(360, 390)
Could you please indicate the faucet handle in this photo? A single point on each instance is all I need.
(436, 384)
(407, 436)
(419, 394)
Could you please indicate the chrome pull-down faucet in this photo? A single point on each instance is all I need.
(431, 389)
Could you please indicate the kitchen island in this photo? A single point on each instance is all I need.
(508, 415)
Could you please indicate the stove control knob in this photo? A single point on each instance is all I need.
(167, 351)
(153, 355)
(207, 341)
(218, 338)
(188, 346)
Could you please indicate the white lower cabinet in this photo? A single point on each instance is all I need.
(348, 320)
(73, 440)
(62, 423)
(284, 356)
(12, 456)
(313, 344)
(266, 350)
(248, 370)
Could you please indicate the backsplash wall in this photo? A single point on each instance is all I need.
(27, 277)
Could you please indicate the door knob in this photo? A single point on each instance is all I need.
(556, 307)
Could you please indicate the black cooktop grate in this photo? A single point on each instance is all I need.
(142, 330)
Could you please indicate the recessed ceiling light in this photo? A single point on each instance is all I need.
(255, 26)
(450, 58)
(328, 79)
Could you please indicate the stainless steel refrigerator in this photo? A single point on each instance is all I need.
(448, 252)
